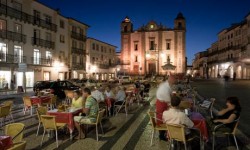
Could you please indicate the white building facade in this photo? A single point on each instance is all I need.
(101, 60)
(38, 36)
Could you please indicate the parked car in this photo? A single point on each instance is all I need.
(124, 79)
(58, 87)
(41, 85)
(113, 80)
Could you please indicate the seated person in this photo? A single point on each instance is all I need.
(174, 115)
(77, 100)
(228, 115)
(97, 94)
(120, 96)
(108, 93)
(90, 109)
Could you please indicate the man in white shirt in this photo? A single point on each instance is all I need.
(175, 116)
(97, 95)
(163, 98)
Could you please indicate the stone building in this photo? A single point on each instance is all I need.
(36, 36)
(101, 59)
(144, 51)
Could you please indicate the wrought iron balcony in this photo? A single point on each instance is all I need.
(78, 36)
(9, 58)
(12, 36)
(79, 51)
(78, 66)
(41, 61)
(43, 43)
(22, 16)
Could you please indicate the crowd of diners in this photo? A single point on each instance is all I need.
(91, 99)
(168, 110)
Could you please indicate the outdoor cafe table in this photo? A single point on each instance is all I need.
(5, 142)
(39, 100)
(66, 117)
(200, 123)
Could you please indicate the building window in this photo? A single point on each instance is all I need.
(97, 47)
(81, 45)
(48, 55)
(81, 31)
(81, 60)
(2, 24)
(152, 45)
(101, 48)
(93, 46)
(152, 26)
(231, 55)
(48, 19)
(18, 28)
(168, 45)
(93, 60)
(18, 54)
(62, 24)
(74, 58)
(36, 33)
(74, 44)
(16, 5)
(136, 59)
(62, 38)
(36, 17)
(3, 52)
(48, 36)
(110, 50)
(136, 47)
(36, 59)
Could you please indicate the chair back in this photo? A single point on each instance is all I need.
(211, 107)
(100, 115)
(4, 111)
(8, 103)
(19, 146)
(27, 101)
(236, 125)
(15, 130)
(151, 117)
(41, 111)
(176, 132)
(49, 122)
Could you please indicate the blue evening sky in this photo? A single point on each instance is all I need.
(204, 18)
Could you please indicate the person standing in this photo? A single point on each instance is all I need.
(163, 99)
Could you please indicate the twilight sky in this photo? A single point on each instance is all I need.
(204, 18)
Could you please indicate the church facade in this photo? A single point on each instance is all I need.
(147, 50)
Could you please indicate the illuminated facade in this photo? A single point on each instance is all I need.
(230, 55)
(101, 59)
(38, 36)
(145, 50)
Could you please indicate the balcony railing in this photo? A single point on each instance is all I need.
(78, 66)
(22, 16)
(41, 61)
(75, 50)
(9, 58)
(12, 36)
(43, 43)
(78, 36)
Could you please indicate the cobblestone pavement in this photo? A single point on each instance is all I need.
(121, 132)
